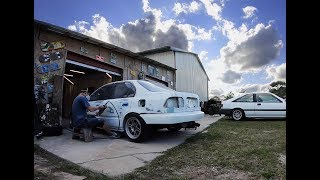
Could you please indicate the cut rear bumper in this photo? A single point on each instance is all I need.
(226, 112)
(172, 118)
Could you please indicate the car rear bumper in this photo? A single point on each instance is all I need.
(172, 118)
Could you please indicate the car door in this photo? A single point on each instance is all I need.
(245, 103)
(105, 96)
(268, 105)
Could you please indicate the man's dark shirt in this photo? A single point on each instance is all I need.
(79, 110)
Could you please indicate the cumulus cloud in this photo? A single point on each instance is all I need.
(255, 88)
(145, 33)
(249, 11)
(258, 47)
(203, 55)
(277, 73)
(213, 9)
(195, 33)
(216, 92)
(230, 77)
(186, 8)
(135, 36)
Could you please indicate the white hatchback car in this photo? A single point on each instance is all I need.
(254, 105)
(137, 106)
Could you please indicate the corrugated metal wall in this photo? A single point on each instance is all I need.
(166, 58)
(190, 76)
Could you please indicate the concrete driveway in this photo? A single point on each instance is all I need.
(114, 157)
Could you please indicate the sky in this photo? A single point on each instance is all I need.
(241, 43)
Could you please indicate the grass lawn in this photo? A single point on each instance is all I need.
(252, 149)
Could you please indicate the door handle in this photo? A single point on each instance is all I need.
(259, 104)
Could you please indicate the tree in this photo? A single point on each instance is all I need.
(229, 95)
(278, 88)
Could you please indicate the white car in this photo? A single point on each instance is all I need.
(254, 105)
(137, 106)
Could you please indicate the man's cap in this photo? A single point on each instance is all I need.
(84, 90)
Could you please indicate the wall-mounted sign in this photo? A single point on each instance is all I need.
(100, 58)
(48, 46)
(133, 73)
(163, 78)
(113, 58)
(84, 50)
(52, 56)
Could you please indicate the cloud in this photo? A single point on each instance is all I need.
(195, 33)
(173, 37)
(216, 92)
(277, 73)
(230, 77)
(139, 35)
(203, 55)
(253, 49)
(255, 88)
(249, 11)
(213, 9)
(186, 8)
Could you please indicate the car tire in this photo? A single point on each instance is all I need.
(135, 128)
(237, 114)
(174, 129)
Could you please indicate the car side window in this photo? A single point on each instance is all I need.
(105, 92)
(245, 98)
(124, 90)
(267, 98)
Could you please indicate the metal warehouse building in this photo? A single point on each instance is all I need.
(190, 74)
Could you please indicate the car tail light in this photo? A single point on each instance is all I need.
(174, 102)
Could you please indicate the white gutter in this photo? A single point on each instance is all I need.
(92, 67)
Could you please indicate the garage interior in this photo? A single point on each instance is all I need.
(78, 77)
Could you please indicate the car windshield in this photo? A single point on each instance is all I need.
(153, 87)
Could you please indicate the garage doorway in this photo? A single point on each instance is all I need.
(80, 76)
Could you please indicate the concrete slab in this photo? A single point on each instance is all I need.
(115, 157)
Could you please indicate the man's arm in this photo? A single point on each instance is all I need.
(94, 108)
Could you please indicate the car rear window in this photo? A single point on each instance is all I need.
(152, 87)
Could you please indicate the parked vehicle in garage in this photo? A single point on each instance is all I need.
(254, 105)
(136, 107)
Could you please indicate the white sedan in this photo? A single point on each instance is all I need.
(254, 105)
(137, 106)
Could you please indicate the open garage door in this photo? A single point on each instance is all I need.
(80, 76)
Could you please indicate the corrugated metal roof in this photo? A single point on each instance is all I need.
(169, 48)
(85, 38)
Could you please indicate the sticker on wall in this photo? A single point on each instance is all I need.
(50, 88)
(44, 58)
(56, 56)
(43, 68)
(100, 58)
(163, 78)
(84, 50)
(52, 56)
(171, 83)
(133, 73)
(141, 75)
(113, 58)
(49, 46)
(54, 67)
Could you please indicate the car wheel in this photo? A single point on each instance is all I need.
(174, 129)
(237, 114)
(135, 128)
